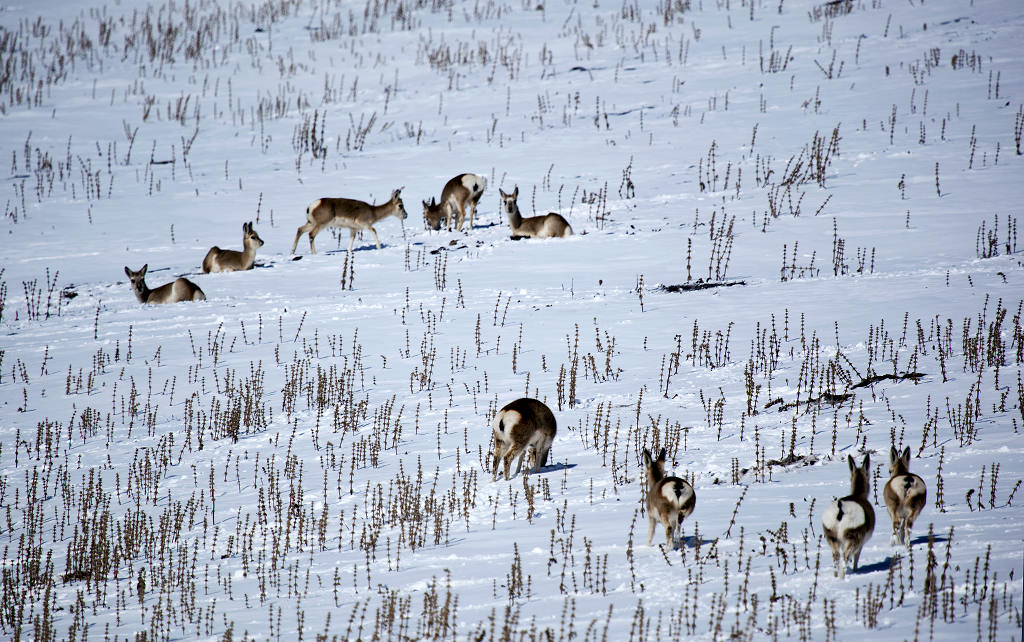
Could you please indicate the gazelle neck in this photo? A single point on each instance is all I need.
(859, 486)
(515, 218)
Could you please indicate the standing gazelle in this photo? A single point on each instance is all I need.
(539, 227)
(349, 213)
(849, 522)
(905, 495)
(218, 260)
(519, 425)
(459, 194)
(670, 500)
(180, 289)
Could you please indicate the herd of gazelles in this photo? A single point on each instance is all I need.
(527, 424)
(459, 196)
(848, 522)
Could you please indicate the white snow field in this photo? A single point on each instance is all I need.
(795, 242)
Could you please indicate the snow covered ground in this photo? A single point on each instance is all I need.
(305, 453)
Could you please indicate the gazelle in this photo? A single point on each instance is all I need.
(519, 425)
(540, 227)
(218, 260)
(849, 522)
(670, 500)
(905, 495)
(459, 194)
(180, 289)
(349, 213)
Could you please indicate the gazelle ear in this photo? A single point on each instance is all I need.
(515, 192)
(906, 455)
(647, 457)
(893, 456)
(849, 460)
(127, 271)
(867, 462)
(145, 267)
(661, 455)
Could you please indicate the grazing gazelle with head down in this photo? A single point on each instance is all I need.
(905, 495)
(181, 289)
(459, 194)
(348, 213)
(849, 522)
(218, 260)
(519, 425)
(538, 227)
(670, 500)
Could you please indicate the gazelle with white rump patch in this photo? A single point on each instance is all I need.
(538, 227)
(218, 260)
(348, 213)
(670, 500)
(460, 194)
(181, 289)
(517, 427)
(850, 521)
(905, 495)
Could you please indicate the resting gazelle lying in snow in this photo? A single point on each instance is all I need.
(670, 500)
(905, 495)
(538, 227)
(218, 260)
(181, 289)
(849, 522)
(519, 425)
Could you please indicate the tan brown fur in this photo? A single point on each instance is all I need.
(459, 194)
(218, 260)
(538, 227)
(849, 522)
(348, 213)
(670, 500)
(905, 495)
(519, 425)
(181, 289)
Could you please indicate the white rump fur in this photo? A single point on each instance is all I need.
(521, 425)
(670, 500)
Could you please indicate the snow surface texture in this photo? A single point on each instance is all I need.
(305, 453)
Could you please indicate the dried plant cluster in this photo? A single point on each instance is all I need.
(341, 441)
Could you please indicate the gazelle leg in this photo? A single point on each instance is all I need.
(312, 235)
(375, 238)
(351, 239)
(462, 215)
(302, 230)
(650, 528)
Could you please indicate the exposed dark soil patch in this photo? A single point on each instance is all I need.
(698, 285)
(867, 381)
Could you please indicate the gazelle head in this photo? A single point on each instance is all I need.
(249, 236)
(396, 201)
(138, 280)
(860, 477)
(432, 214)
(899, 463)
(509, 201)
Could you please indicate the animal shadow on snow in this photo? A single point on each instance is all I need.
(552, 468)
(690, 541)
(359, 248)
(884, 565)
